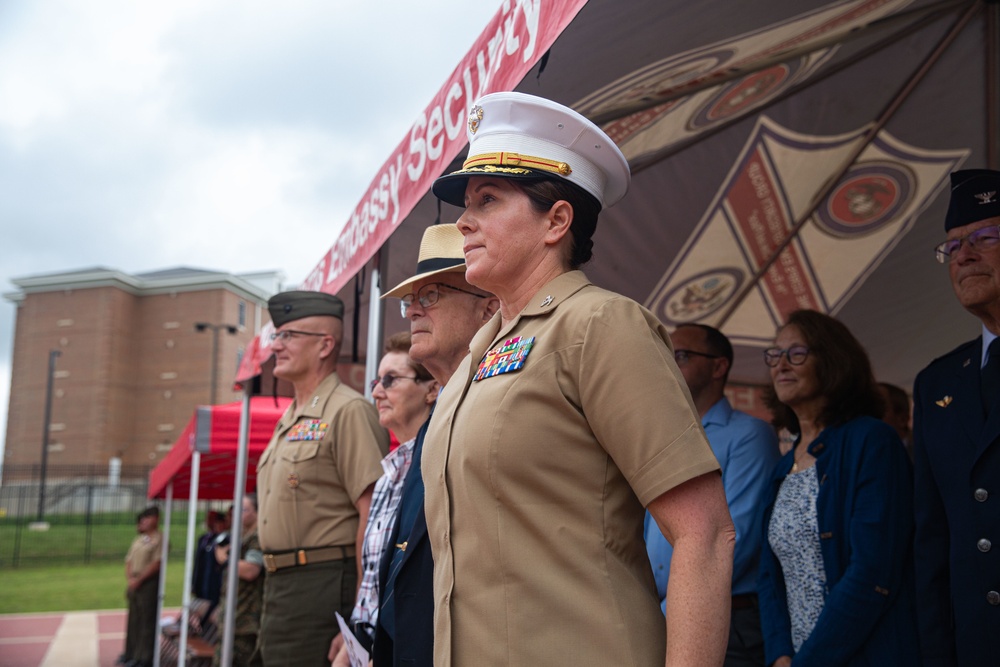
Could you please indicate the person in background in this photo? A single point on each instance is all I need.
(897, 413)
(249, 592)
(566, 420)
(206, 577)
(314, 485)
(747, 450)
(836, 570)
(142, 567)
(956, 445)
(404, 393)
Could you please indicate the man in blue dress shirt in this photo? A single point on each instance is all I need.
(747, 449)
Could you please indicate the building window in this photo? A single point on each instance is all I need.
(242, 314)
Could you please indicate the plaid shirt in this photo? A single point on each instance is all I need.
(381, 518)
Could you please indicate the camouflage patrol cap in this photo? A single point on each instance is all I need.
(290, 306)
(975, 196)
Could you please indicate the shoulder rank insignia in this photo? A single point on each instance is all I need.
(308, 429)
(944, 402)
(506, 358)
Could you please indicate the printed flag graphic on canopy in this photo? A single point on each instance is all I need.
(820, 262)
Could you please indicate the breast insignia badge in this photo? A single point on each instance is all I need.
(308, 429)
(944, 402)
(506, 358)
(293, 480)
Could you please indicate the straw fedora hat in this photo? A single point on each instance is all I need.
(440, 252)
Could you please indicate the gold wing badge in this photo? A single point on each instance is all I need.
(944, 402)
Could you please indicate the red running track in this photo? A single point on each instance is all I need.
(70, 639)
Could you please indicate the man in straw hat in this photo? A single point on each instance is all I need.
(314, 485)
(444, 313)
(956, 446)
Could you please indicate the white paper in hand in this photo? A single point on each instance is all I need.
(355, 651)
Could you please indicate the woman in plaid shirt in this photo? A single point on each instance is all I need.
(404, 392)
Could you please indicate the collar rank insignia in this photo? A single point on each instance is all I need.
(546, 301)
(308, 429)
(987, 197)
(944, 402)
(506, 358)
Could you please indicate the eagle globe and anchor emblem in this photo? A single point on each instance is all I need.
(475, 117)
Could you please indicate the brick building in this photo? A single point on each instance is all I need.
(132, 363)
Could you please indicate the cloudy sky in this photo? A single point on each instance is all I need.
(138, 135)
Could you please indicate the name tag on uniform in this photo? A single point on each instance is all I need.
(308, 429)
(506, 358)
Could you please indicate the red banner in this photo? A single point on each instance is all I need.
(508, 48)
(513, 41)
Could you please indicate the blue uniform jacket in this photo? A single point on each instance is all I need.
(414, 584)
(957, 466)
(865, 517)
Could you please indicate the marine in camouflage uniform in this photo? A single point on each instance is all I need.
(249, 593)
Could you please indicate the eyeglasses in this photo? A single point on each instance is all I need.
(288, 334)
(796, 355)
(684, 356)
(428, 295)
(388, 380)
(981, 239)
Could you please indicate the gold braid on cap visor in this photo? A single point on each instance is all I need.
(486, 160)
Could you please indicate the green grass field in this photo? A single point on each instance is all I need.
(74, 566)
(76, 588)
(70, 541)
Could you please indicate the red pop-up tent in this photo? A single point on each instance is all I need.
(213, 432)
(214, 459)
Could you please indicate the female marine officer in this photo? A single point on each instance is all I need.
(566, 420)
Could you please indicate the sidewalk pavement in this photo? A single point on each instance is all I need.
(69, 639)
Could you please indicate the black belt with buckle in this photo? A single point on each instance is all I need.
(299, 557)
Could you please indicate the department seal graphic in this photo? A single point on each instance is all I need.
(869, 196)
(700, 295)
(739, 97)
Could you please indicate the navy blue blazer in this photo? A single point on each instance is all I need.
(414, 585)
(865, 515)
(957, 497)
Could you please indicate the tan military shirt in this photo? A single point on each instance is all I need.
(144, 551)
(316, 467)
(536, 481)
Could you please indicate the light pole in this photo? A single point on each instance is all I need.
(215, 329)
(45, 433)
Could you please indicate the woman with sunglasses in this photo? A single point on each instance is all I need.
(404, 393)
(836, 571)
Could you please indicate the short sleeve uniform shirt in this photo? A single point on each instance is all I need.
(144, 551)
(316, 467)
(536, 479)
